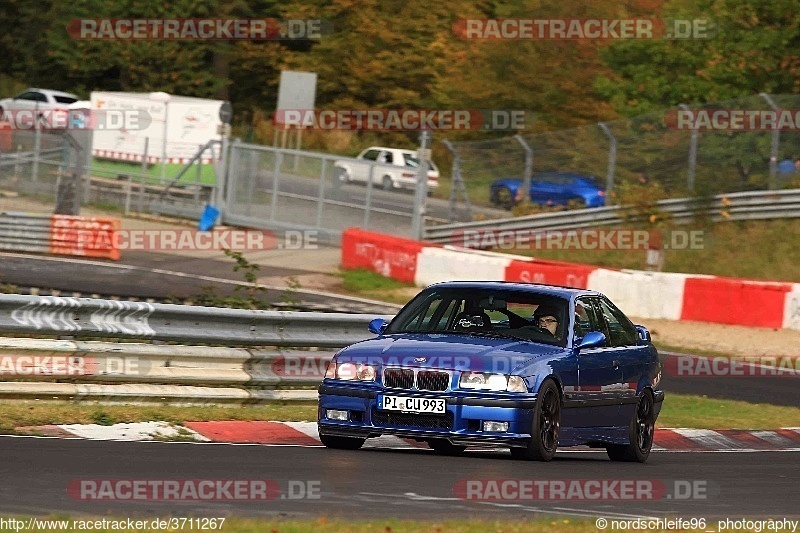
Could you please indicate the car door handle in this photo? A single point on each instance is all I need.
(615, 363)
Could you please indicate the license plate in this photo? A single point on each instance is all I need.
(412, 405)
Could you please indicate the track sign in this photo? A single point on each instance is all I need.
(225, 112)
(297, 90)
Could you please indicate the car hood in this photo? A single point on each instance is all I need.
(446, 351)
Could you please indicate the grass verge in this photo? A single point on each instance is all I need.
(679, 411)
(765, 250)
(368, 284)
(14, 414)
(699, 412)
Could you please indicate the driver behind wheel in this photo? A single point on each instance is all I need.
(546, 318)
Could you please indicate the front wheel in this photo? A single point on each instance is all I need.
(640, 433)
(546, 424)
(341, 443)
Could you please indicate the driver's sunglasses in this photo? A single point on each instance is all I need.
(548, 321)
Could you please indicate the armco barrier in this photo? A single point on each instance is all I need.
(640, 294)
(144, 372)
(59, 235)
(51, 315)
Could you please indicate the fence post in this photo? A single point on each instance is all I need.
(612, 157)
(526, 178)
(421, 190)
(321, 192)
(692, 168)
(776, 139)
(456, 184)
(143, 178)
(368, 199)
(37, 148)
(275, 174)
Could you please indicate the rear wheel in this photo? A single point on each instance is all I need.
(387, 183)
(640, 434)
(445, 447)
(546, 425)
(341, 443)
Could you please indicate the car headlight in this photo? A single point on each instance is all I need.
(492, 382)
(351, 372)
(517, 384)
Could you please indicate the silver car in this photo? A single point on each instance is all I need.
(394, 168)
(38, 99)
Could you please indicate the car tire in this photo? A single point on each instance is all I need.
(445, 447)
(502, 197)
(341, 443)
(578, 203)
(341, 176)
(640, 433)
(386, 183)
(546, 425)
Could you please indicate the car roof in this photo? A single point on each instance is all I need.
(553, 290)
(50, 92)
(393, 149)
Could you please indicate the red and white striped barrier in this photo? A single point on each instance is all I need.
(128, 156)
(667, 295)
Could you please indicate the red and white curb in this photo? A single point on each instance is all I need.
(305, 434)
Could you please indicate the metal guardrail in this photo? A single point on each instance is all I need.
(143, 372)
(51, 315)
(18, 158)
(23, 232)
(760, 205)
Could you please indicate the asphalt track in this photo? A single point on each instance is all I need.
(160, 276)
(385, 483)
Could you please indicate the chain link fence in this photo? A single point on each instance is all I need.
(652, 152)
(280, 188)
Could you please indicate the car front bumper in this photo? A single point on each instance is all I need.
(461, 424)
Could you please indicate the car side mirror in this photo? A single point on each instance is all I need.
(593, 339)
(644, 335)
(377, 325)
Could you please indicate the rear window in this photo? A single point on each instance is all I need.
(65, 99)
(413, 162)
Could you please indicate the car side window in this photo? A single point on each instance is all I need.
(371, 155)
(585, 319)
(28, 95)
(386, 157)
(621, 331)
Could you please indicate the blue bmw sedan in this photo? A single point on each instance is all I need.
(525, 366)
(550, 188)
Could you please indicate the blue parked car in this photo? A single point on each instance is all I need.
(525, 366)
(550, 188)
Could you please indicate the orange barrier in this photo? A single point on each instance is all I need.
(84, 236)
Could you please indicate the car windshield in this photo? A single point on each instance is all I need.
(513, 314)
